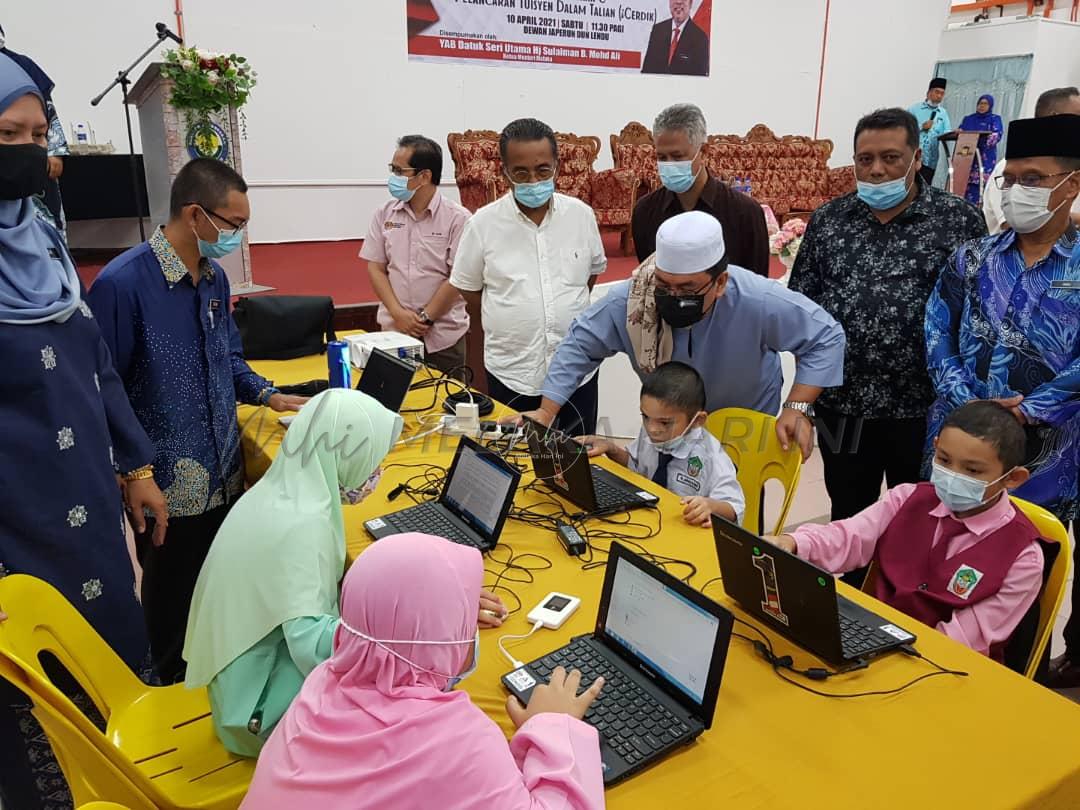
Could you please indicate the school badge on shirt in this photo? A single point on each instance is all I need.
(694, 466)
(963, 582)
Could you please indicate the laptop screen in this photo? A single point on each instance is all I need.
(640, 617)
(478, 489)
(386, 379)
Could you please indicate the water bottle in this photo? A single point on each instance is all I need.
(337, 361)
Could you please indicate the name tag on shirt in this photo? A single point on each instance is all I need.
(1065, 284)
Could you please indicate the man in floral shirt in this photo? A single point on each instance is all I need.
(871, 260)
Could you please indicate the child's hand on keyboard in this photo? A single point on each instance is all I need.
(560, 696)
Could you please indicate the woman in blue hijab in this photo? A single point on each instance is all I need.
(69, 431)
(983, 120)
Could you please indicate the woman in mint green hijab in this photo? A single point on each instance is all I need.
(266, 604)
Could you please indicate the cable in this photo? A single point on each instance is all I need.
(513, 661)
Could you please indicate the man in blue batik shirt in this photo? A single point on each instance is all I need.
(1004, 324)
(163, 309)
(933, 123)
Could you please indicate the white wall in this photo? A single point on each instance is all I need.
(1055, 46)
(336, 88)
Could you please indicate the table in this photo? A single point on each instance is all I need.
(991, 740)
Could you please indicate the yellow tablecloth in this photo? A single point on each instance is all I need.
(990, 740)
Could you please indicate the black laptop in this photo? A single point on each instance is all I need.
(564, 467)
(799, 600)
(661, 648)
(386, 379)
(472, 507)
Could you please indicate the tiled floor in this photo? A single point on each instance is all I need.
(811, 505)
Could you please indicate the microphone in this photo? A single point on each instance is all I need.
(164, 33)
(933, 114)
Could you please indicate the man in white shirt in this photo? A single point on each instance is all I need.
(527, 263)
(1053, 102)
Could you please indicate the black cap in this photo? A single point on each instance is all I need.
(937, 83)
(1049, 136)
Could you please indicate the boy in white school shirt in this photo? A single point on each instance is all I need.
(675, 451)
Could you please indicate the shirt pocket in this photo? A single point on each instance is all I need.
(1058, 328)
(576, 264)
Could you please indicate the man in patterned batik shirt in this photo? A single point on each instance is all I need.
(870, 259)
(163, 309)
(1004, 324)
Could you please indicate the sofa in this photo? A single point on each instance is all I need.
(790, 174)
(610, 193)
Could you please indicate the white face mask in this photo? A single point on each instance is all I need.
(1028, 209)
(675, 443)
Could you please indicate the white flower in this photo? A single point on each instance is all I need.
(213, 77)
(65, 438)
(187, 64)
(48, 358)
(91, 589)
(204, 54)
(77, 516)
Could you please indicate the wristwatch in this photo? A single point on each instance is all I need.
(425, 317)
(805, 408)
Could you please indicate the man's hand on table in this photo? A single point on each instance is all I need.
(286, 402)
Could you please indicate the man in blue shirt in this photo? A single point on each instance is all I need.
(933, 123)
(687, 303)
(163, 309)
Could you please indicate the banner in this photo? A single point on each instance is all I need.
(610, 36)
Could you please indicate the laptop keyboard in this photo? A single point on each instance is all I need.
(426, 519)
(609, 495)
(631, 722)
(857, 638)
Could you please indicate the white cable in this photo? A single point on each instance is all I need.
(513, 661)
(442, 423)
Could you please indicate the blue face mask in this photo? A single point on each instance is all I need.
(399, 187)
(454, 681)
(959, 492)
(226, 242)
(883, 196)
(534, 195)
(677, 175)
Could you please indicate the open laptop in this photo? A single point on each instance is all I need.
(564, 467)
(472, 507)
(386, 379)
(661, 648)
(799, 600)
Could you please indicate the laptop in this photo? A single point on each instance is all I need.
(472, 507)
(564, 467)
(661, 686)
(386, 379)
(799, 600)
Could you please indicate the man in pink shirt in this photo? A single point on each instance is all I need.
(954, 553)
(410, 248)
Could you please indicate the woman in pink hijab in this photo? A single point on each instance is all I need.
(376, 726)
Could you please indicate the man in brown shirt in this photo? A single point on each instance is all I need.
(679, 134)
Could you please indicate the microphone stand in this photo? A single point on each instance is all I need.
(123, 80)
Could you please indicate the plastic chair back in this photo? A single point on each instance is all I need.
(1050, 530)
(749, 438)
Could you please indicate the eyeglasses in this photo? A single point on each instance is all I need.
(538, 175)
(1030, 180)
(402, 172)
(660, 289)
(234, 227)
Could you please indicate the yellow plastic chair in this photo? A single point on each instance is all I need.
(749, 438)
(103, 806)
(158, 740)
(1053, 591)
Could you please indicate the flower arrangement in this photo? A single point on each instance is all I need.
(785, 242)
(205, 82)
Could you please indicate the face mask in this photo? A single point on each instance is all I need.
(450, 684)
(959, 492)
(674, 445)
(680, 311)
(452, 680)
(399, 188)
(24, 170)
(351, 497)
(934, 104)
(226, 242)
(677, 175)
(1027, 209)
(534, 195)
(883, 196)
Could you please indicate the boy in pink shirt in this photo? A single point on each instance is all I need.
(953, 553)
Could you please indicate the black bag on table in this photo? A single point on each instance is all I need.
(284, 327)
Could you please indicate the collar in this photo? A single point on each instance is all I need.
(432, 206)
(1063, 246)
(511, 202)
(710, 194)
(680, 27)
(172, 266)
(983, 523)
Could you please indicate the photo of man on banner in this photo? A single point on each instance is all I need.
(680, 44)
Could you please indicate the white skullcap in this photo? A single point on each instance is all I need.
(692, 242)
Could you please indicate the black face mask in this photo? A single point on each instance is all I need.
(680, 311)
(24, 170)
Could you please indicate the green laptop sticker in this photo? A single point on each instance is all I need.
(757, 551)
(821, 581)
